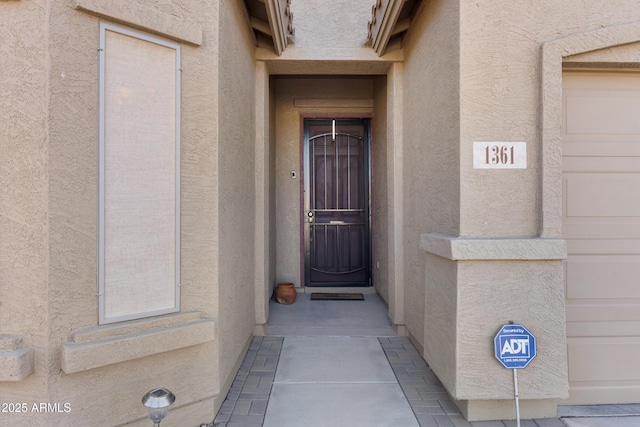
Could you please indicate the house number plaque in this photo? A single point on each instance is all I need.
(499, 155)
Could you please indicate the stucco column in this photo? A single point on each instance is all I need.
(262, 214)
(395, 195)
(476, 285)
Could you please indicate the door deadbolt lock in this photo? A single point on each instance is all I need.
(310, 214)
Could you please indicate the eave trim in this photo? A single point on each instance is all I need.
(384, 16)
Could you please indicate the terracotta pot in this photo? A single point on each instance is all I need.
(286, 293)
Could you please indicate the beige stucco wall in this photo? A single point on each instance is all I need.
(71, 293)
(500, 76)
(387, 194)
(431, 148)
(482, 283)
(48, 213)
(237, 188)
(23, 187)
(265, 196)
(472, 289)
(380, 191)
(74, 37)
(319, 25)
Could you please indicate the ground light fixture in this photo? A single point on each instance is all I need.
(157, 402)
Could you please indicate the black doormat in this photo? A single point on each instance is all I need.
(316, 296)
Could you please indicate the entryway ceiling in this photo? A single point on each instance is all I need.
(272, 23)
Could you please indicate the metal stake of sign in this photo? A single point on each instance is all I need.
(515, 388)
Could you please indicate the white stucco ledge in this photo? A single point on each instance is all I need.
(16, 362)
(144, 17)
(486, 249)
(106, 345)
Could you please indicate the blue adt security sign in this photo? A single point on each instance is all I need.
(514, 346)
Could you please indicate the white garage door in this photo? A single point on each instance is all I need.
(601, 178)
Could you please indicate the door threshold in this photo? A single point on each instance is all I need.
(339, 290)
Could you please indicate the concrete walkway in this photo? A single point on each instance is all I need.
(339, 363)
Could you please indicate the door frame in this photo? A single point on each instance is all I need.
(303, 179)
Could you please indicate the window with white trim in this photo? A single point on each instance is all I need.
(139, 176)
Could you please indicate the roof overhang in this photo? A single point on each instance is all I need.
(271, 22)
(390, 20)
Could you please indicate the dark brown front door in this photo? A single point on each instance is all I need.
(336, 198)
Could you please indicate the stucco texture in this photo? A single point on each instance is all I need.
(49, 199)
(236, 184)
(500, 74)
(319, 25)
(501, 289)
(23, 186)
(431, 145)
(380, 191)
(507, 90)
